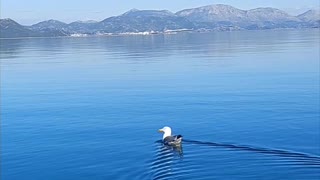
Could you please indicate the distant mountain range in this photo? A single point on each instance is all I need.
(216, 17)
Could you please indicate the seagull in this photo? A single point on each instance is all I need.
(168, 139)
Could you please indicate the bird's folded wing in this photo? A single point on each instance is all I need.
(171, 138)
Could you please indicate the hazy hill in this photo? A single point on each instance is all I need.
(311, 15)
(206, 18)
(10, 28)
(220, 12)
(144, 20)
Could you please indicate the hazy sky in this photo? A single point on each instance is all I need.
(31, 11)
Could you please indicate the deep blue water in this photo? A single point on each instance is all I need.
(247, 104)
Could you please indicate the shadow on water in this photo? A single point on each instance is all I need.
(295, 157)
(163, 165)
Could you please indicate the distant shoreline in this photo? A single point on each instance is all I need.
(157, 34)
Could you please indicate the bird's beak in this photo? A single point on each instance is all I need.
(160, 130)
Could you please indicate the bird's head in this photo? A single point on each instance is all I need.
(166, 130)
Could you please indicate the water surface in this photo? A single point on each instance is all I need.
(247, 104)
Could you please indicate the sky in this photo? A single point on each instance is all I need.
(29, 12)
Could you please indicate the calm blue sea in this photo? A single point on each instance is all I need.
(247, 104)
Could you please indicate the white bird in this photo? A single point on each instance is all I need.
(170, 139)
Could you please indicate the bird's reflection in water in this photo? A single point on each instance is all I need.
(166, 158)
(177, 150)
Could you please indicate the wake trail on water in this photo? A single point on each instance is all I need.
(165, 165)
(298, 156)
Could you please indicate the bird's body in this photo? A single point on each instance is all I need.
(168, 139)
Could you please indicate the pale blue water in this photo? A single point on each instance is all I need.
(247, 104)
